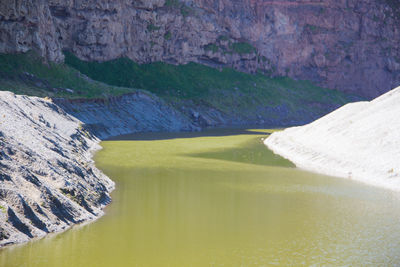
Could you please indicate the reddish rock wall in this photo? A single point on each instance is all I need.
(351, 45)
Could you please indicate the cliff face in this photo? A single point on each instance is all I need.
(350, 45)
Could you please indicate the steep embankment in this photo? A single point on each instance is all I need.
(136, 112)
(359, 141)
(48, 181)
(348, 45)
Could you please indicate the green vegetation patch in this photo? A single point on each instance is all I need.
(185, 10)
(182, 7)
(187, 81)
(168, 35)
(211, 47)
(28, 74)
(225, 89)
(172, 3)
(192, 84)
(152, 28)
(315, 29)
(3, 209)
(242, 48)
(223, 38)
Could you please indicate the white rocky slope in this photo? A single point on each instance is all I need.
(48, 181)
(359, 141)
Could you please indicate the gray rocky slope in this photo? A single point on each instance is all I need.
(130, 113)
(48, 180)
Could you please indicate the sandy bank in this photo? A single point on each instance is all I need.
(359, 141)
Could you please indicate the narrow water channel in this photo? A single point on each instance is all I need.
(221, 199)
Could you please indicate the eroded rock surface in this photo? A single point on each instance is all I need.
(350, 45)
(48, 181)
(131, 113)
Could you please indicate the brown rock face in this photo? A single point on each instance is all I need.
(350, 45)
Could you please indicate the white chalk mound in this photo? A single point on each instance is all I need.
(360, 141)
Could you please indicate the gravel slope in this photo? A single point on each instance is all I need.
(359, 141)
(48, 181)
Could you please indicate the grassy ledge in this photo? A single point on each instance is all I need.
(28, 74)
(227, 90)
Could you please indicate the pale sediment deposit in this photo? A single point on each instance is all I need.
(48, 181)
(359, 141)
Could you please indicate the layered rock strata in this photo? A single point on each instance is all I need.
(131, 113)
(350, 45)
(48, 181)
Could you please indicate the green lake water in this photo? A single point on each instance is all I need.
(221, 199)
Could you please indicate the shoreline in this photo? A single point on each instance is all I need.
(49, 150)
(357, 141)
(49, 181)
(48, 178)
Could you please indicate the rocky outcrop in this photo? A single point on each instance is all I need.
(131, 113)
(26, 25)
(48, 181)
(350, 45)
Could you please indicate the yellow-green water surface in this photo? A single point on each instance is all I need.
(222, 201)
